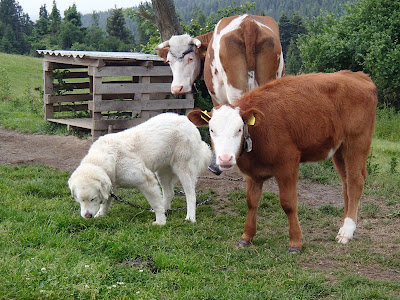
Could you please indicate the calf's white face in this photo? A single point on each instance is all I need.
(226, 131)
(184, 61)
(185, 70)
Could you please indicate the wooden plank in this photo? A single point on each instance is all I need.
(111, 105)
(126, 88)
(76, 85)
(74, 60)
(77, 75)
(67, 98)
(118, 124)
(132, 71)
(101, 125)
(75, 107)
(63, 66)
(77, 122)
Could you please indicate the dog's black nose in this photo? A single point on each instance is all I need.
(88, 215)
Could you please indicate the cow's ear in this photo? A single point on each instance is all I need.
(199, 117)
(203, 51)
(163, 53)
(252, 117)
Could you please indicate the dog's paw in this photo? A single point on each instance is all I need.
(191, 219)
(159, 223)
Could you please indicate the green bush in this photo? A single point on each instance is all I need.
(364, 39)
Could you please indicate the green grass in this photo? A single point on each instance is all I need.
(23, 72)
(49, 251)
(22, 108)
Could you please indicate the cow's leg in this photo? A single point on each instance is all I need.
(253, 190)
(286, 177)
(340, 167)
(356, 172)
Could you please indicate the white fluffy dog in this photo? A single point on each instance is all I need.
(167, 147)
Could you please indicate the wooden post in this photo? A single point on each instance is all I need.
(145, 98)
(97, 98)
(47, 90)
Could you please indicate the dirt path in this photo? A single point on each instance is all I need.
(66, 152)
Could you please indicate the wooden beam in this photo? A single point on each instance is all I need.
(126, 88)
(75, 60)
(132, 71)
(48, 99)
(135, 105)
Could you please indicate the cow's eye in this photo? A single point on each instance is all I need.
(190, 59)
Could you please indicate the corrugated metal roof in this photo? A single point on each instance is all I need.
(101, 55)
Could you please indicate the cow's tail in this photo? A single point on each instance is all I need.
(249, 36)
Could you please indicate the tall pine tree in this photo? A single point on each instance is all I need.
(116, 26)
(54, 19)
(12, 31)
(42, 24)
(95, 36)
(70, 29)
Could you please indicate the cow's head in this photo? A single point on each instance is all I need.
(184, 54)
(227, 127)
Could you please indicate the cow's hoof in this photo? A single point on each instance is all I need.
(242, 244)
(294, 250)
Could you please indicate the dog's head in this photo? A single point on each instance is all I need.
(90, 188)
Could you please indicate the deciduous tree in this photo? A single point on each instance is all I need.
(366, 38)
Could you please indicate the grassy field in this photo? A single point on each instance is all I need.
(50, 252)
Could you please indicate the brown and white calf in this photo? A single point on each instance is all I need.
(297, 119)
(242, 53)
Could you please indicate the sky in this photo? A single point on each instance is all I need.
(31, 7)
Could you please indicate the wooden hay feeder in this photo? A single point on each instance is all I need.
(107, 91)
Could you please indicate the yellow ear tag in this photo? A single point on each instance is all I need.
(207, 115)
(251, 120)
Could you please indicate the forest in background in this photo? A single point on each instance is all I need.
(18, 34)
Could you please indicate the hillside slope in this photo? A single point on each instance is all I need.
(23, 72)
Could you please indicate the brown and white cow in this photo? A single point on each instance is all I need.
(242, 53)
(297, 119)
